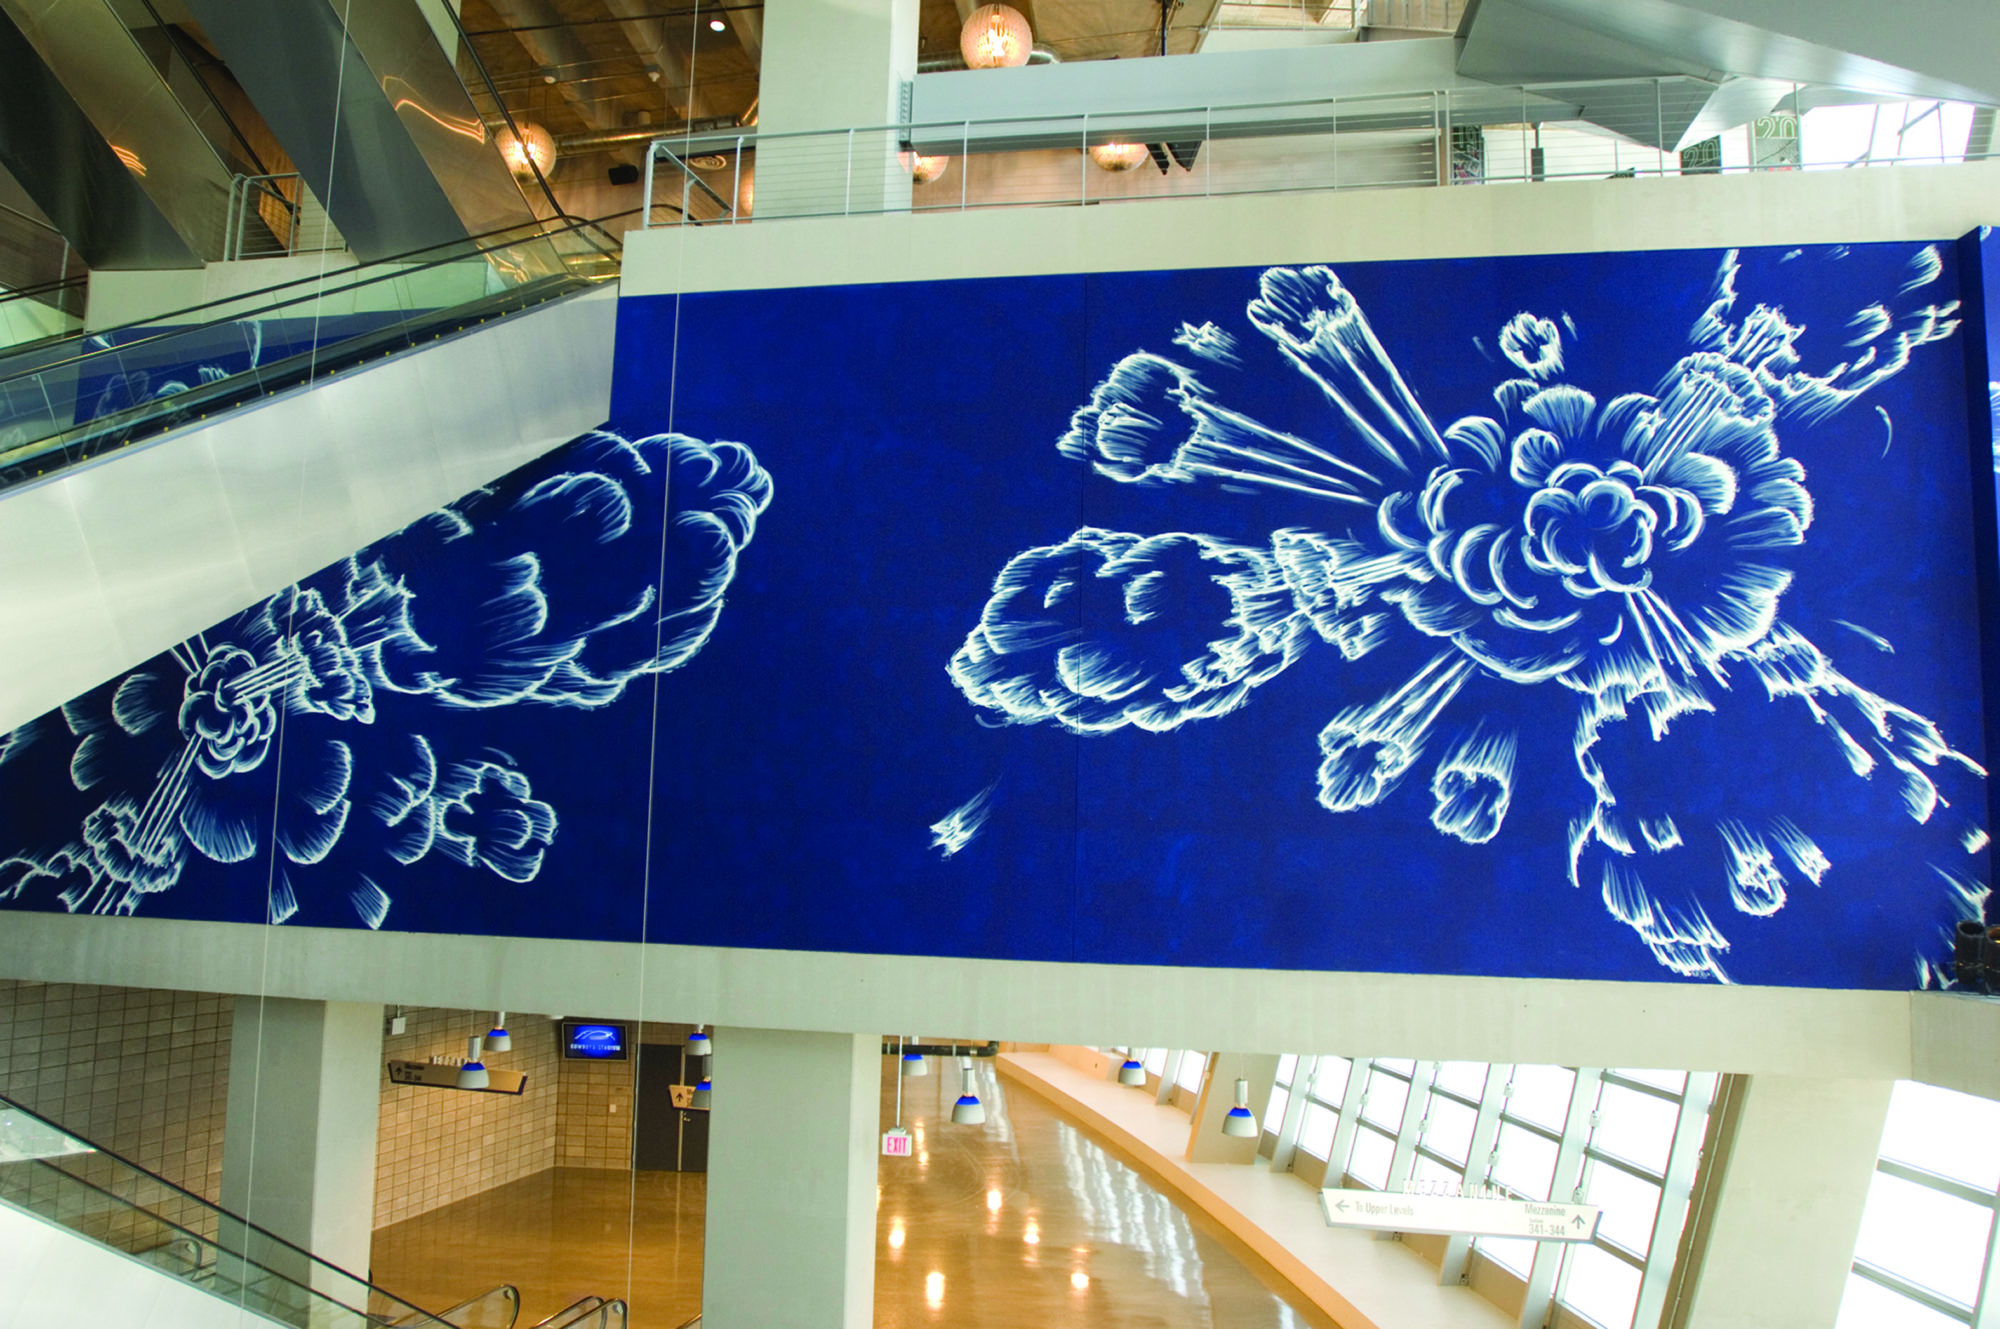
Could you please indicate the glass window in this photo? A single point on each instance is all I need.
(1527, 1162)
(1449, 1128)
(1403, 1068)
(1386, 1097)
(1372, 1154)
(1467, 1079)
(1429, 1171)
(1599, 1286)
(1288, 1066)
(1629, 1206)
(1936, 1241)
(1316, 1130)
(1274, 1113)
(1635, 1126)
(1156, 1060)
(1541, 1095)
(1940, 1130)
(1867, 1305)
(1515, 1254)
(1330, 1080)
(1189, 1075)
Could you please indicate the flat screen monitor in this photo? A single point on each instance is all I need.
(587, 1041)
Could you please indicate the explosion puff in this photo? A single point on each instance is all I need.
(1109, 629)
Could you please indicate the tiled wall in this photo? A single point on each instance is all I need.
(144, 1074)
(594, 1114)
(438, 1145)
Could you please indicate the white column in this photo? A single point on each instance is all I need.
(833, 65)
(791, 1181)
(298, 1146)
(1781, 1236)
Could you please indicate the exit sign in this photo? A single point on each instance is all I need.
(896, 1143)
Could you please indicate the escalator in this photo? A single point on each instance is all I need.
(116, 1209)
(68, 400)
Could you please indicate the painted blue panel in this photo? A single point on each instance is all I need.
(1607, 616)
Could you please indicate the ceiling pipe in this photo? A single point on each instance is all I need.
(549, 42)
(938, 64)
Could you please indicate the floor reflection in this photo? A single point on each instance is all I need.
(1023, 1221)
(1028, 1221)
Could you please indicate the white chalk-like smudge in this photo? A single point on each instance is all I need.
(956, 829)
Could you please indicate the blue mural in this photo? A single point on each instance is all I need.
(1605, 616)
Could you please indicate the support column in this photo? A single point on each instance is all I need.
(791, 1181)
(298, 1146)
(1206, 1142)
(1780, 1231)
(833, 65)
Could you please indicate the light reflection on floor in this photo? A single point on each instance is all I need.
(1028, 1221)
(1024, 1221)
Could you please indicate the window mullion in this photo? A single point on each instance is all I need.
(1286, 1151)
(1478, 1164)
(1358, 1071)
(1564, 1187)
(1415, 1108)
(1169, 1073)
(1683, 1161)
(1986, 1307)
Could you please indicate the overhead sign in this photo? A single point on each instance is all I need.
(1458, 1215)
(444, 1075)
(896, 1143)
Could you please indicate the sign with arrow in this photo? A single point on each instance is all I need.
(1458, 1215)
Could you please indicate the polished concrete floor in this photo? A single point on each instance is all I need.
(1025, 1221)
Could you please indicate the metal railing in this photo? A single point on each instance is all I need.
(1414, 15)
(1601, 129)
(273, 215)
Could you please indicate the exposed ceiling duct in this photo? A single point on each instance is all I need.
(541, 28)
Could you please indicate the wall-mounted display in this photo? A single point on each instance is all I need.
(1587, 616)
(584, 1041)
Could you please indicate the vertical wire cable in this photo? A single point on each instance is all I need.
(283, 709)
(659, 640)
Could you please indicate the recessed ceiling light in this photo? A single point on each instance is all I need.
(715, 25)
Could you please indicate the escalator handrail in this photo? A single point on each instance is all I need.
(200, 1203)
(320, 289)
(513, 1294)
(573, 1312)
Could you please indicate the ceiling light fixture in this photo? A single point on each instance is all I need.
(716, 25)
(534, 149)
(968, 1110)
(472, 1075)
(1240, 1123)
(1118, 156)
(699, 1098)
(1133, 1072)
(699, 1045)
(499, 1040)
(924, 169)
(995, 37)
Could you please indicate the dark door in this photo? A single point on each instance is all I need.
(656, 1125)
(694, 1139)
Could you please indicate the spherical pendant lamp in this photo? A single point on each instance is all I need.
(923, 169)
(535, 145)
(995, 37)
(1118, 156)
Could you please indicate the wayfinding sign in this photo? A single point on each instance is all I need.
(1458, 1215)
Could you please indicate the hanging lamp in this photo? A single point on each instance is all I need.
(472, 1075)
(1239, 1122)
(968, 1110)
(499, 1040)
(1133, 1072)
(995, 37)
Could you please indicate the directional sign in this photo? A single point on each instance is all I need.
(1456, 1215)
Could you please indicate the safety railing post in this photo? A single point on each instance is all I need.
(847, 200)
(964, 159)
(1083, 162)
(1659, 122)
(646, 187)
(736, 185)
(229, 218)
(1208, 150)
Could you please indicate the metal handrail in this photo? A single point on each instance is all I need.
(318, 289)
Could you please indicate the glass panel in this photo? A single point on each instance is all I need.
(1188, 1076)
(1402, 1068)
(1636, 1127)
(1450, 1128)
(1429, 1172)
(1467, 1079)
(1330, 1080)
(1541, 1095)
(1288, 1066)
(1599, 1286)
(1867, 1305)
(1156, 1060)
(1939, 1130)
(1515, 1254)
(1527, 1162)
(1673, 1081)
(1629, 1206)
(1937, 1241)
(1316, 1130)
(1372, 1154)
(1386, 1096)
(1274, 1114)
